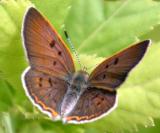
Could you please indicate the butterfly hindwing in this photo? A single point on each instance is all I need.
(46, 91)
(93, 104)
(112, 72)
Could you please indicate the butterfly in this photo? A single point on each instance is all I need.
(56, 88)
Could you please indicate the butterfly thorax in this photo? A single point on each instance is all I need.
(77, 85)
(79, 81)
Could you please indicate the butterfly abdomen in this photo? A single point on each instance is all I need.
(69, 101)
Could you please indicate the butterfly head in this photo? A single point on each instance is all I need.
(80, 80)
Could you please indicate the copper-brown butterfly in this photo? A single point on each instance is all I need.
(52, 83)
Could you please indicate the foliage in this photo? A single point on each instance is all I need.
(98, 29)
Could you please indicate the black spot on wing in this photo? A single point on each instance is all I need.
(59, 53)
(54, 63)
(52, 43)
(50, 81)
(116, 61)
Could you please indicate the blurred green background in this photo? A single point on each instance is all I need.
(98, 28)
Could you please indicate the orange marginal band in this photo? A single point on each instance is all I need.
(80, 118)
(53, 112)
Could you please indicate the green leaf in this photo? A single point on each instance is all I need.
(110, 25)
(12, 61)
(6, 95)
(98, 29)
(154, 129)
(54, 10)
(7, 123)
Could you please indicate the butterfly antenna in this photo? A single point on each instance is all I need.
(73, 48)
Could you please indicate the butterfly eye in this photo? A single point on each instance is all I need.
(52, 44)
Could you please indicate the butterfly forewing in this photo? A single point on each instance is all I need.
(45, 49)
(50, 63)
(113, 71)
